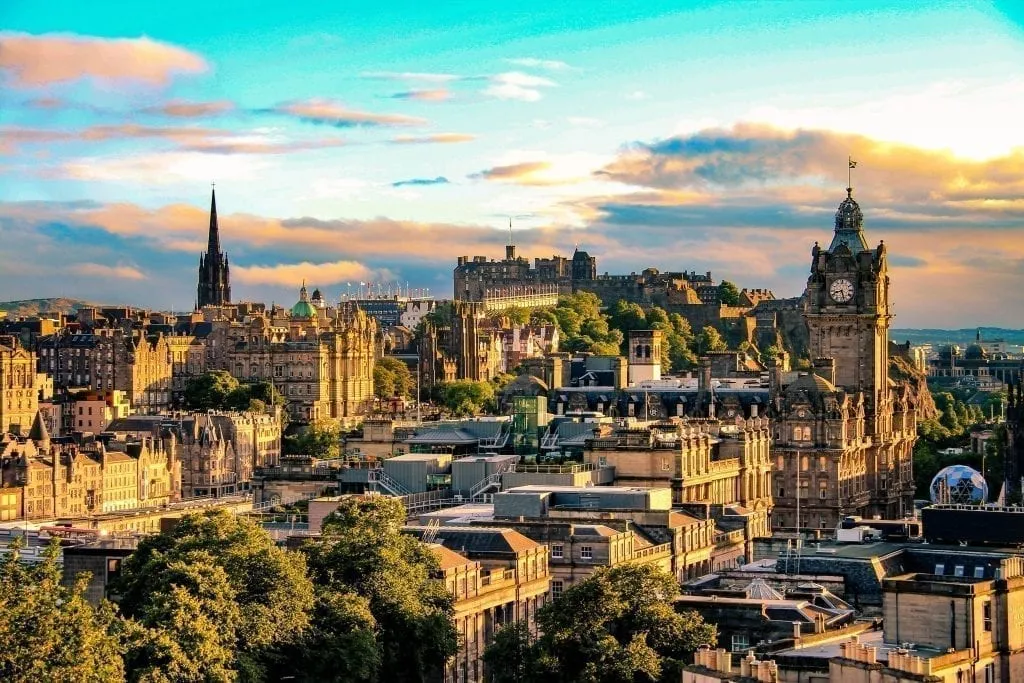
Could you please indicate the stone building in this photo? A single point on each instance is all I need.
(218, 452)
(320, 359)
(844, 433)
(68, 480)
(719, 471)
(214, 287)
(497, 576)
(92, 411)
(19, 400)
(107, 359)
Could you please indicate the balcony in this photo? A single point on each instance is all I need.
(653, 551)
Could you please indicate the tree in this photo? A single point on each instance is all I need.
(340, 645)
(215, 588)
(517, 315)
(363, 551)
(728, 293)
(442, 316)
(319, 439)
(391, 377)
(708, 341)
(466, 396)
(617, 626)
(210, 390)
(50, 632)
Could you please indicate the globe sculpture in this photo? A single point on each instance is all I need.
(959, 484)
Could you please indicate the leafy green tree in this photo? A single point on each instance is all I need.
(391, 377)
(728, 293)
(443, 315)
(244, 597)
(657, 316)
(50, 632)
(617, 626)
(626, 316)
(681, 326)
(708, 341)
(320, 439)
(341, 644)
(362, 550)
(466, 396)
(517, 315)
(210, 391)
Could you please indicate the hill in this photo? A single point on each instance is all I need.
(962, 336)
(32, 307)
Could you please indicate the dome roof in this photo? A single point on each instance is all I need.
(302, 308)
(811, 383)
(976, 352)
(849, 225)
(526, 385)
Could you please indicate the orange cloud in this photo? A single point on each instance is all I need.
(328, 112)
(513, 172)
(441, 138)
(99, 270)
(190, 110)
(288, 274)
(433, 95)
(40, 60)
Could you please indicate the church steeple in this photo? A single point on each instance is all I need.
(213, 244)
(214, 280)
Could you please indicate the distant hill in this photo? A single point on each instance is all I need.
(31, 307)
(962, 336)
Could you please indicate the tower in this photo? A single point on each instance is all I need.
(846, 306)
(214, 281)
(644, 356)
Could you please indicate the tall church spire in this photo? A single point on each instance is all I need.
(213, 246)
(214, 280)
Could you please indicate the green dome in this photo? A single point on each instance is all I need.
(303, 309)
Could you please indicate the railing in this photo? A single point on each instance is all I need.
(567, 468)
(729, 538)
(549, 441)
(312, 474)
(493, 480)
(378, 477)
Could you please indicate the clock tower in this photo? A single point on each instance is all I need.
(846, 307)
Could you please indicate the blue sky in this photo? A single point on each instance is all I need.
(379, 142)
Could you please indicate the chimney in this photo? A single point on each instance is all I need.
(825, 368)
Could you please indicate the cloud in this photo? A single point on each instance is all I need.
(435, 138)
(433, 95)
(290, 274)
(533, 63)
(330, 113)
(439, 180)
(512, 172)
(41, 60)
(190, 110)
(411, 76)
(516, 85)
(99, 270)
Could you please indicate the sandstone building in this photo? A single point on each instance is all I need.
(19, 400)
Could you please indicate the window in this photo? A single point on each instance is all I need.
(740, 643)
(979, 572)
(782, 492)
(664, 464)
(940, 569)
(822, 489)
(113, 568)
(557, 586)
(958, 570)
(986, 615)
(586, 552)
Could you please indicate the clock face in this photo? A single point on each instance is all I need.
(841, 290)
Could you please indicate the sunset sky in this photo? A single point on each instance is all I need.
(379, 142)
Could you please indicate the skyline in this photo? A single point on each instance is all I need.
(381, 143)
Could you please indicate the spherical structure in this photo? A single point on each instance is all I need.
(959, 484)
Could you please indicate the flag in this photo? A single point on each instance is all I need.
(853, 164)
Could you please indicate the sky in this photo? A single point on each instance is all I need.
(377, 143)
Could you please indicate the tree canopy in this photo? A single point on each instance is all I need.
(466, 397)
(216, 594)
(219, 390)
(319, 439)
(728, 293)
(617, 626)
(363, 552)
(50, 632)
(391, 377)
